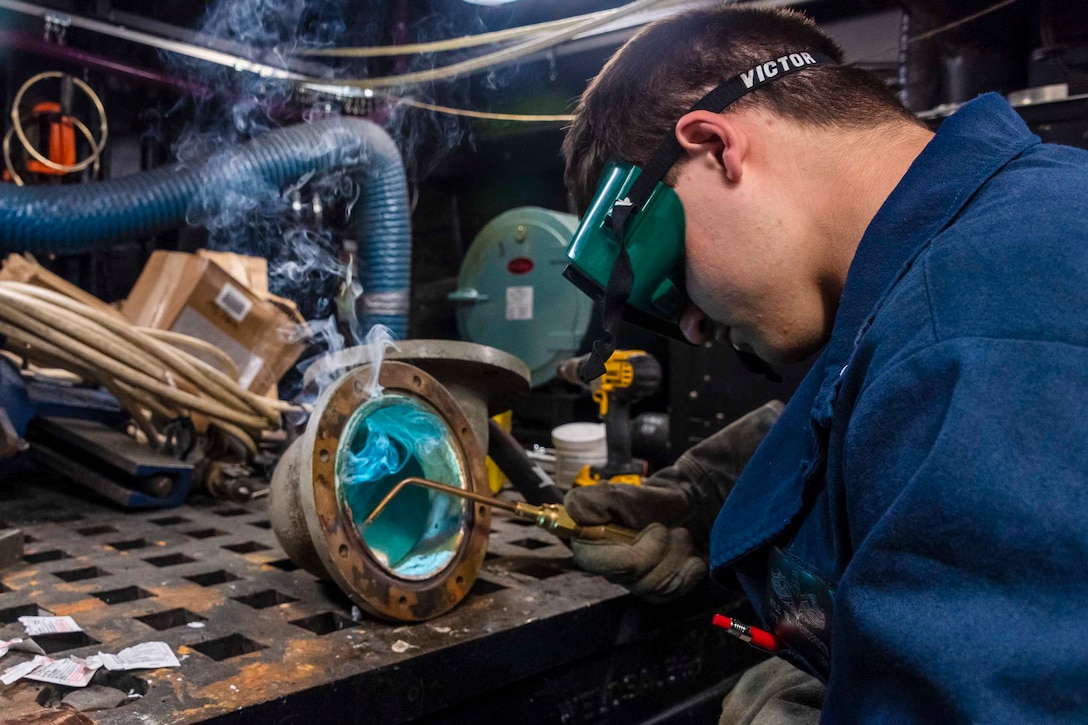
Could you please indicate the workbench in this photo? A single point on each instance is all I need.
(261, 641)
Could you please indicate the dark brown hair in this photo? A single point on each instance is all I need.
(659, 74)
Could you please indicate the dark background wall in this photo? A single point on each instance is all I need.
(465, 172)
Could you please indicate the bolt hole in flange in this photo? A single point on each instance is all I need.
(389, 438)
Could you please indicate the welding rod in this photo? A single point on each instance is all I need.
(551, 517)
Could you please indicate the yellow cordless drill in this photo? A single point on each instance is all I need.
(630, 376)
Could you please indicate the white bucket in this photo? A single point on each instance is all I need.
(577, 445)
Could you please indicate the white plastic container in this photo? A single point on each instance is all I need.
(577, 445)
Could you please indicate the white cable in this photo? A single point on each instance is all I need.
(43, 325)
(488, 59)
(440, 46)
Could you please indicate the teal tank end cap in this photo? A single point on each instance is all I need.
(511, 294)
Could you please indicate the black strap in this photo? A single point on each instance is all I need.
(716, 101)
(615, 297)
(618, 290)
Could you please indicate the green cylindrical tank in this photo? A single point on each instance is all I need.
(511, 293)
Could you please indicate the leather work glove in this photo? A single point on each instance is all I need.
(674, 510)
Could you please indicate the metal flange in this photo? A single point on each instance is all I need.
(317, 526)
(483, 380)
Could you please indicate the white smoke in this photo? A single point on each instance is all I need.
(293, 228)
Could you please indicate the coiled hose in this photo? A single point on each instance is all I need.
(79, 218)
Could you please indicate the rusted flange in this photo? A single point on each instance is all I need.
(337, 542)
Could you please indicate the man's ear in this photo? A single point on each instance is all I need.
(714, 138)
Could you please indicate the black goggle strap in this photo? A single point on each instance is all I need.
(622, 277)
(615, 297)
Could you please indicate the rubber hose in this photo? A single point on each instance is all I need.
(527, 477)
(78, 218)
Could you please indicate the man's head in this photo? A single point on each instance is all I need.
(764, 243)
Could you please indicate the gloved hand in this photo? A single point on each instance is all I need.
(674, 510)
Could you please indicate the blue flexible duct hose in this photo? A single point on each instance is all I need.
(79, 218)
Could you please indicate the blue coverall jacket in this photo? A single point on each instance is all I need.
(932, 468)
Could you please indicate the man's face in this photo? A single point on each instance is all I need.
(753, 261)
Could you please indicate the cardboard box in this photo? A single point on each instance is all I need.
(18, 268)
(250, 271)
(194, 295)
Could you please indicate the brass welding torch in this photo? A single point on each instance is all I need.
(551, 517)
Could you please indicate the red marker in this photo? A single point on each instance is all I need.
(758, 638)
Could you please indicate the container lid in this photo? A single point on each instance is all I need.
(575, 433)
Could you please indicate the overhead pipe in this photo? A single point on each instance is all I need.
(78, 218)
(26, 43)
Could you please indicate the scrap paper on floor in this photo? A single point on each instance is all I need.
(70, 671)
(49, 625)
(17, 672)
(5, 646)
(146, 656)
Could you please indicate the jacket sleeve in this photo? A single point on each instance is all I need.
(966, 488)
(706, 472)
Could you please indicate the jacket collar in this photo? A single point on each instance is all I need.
(969, 148)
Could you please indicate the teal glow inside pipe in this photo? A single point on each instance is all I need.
(389, 438)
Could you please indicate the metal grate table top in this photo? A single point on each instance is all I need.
(253, 630)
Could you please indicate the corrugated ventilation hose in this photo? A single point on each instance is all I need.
(78, 218)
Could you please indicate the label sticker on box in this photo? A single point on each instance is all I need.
(250, 371)
(233, 302)
(519, 303)
(192, 323)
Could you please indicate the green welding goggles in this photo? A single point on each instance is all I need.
(628, 250)
(653, 240)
